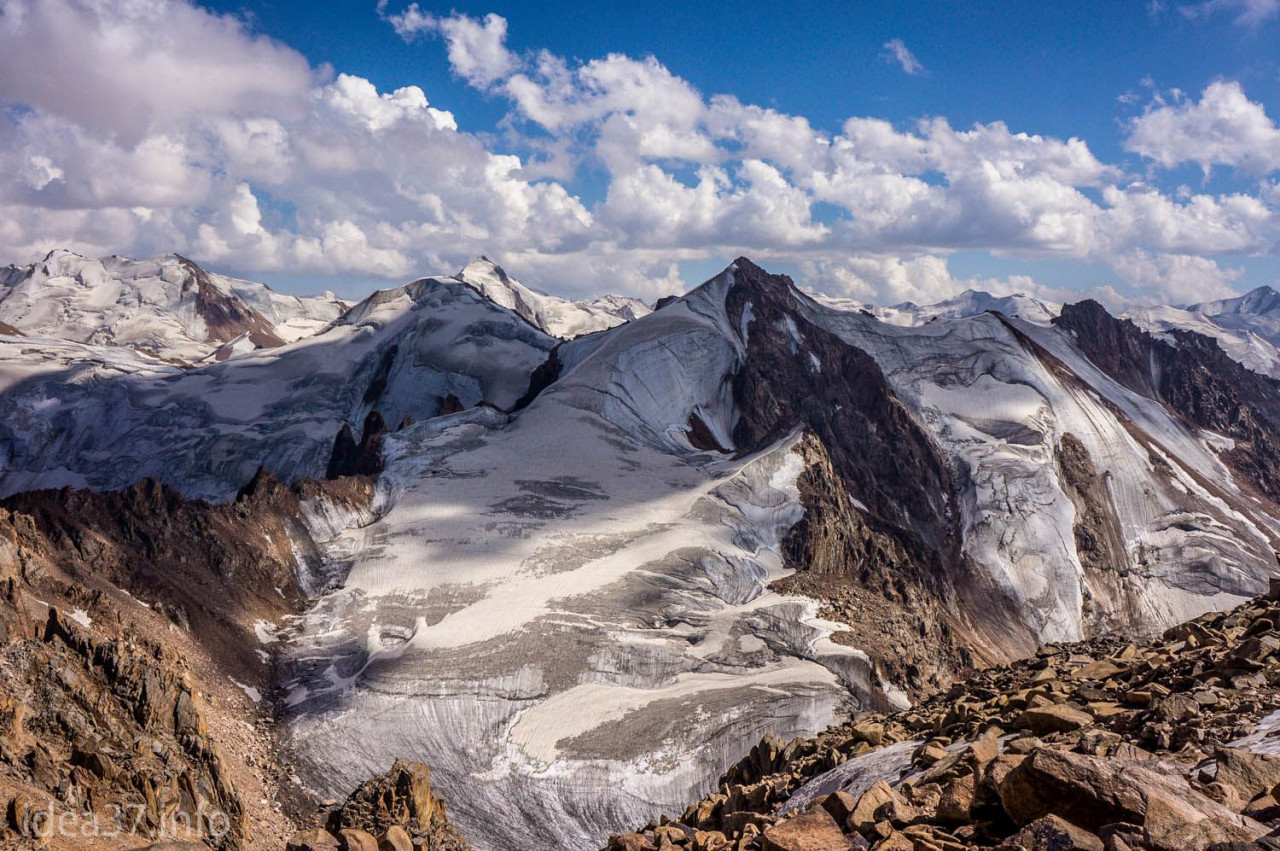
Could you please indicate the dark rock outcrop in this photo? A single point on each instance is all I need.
(225, 316)
(543, 377)
(903, 541)
(358, 458)
(107, 698)
(213, 569)
(1195, 378)
(812, 379)
(403, 798)
(867, 580)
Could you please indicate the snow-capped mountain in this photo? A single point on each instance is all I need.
(600, 569)
(102, 417)
(166, 306)
(557, 316)
(1247, 327)
(602, 623)
(968, 303)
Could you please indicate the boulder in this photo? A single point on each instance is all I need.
(956, 801)
(313, 840)
(881, 803)
(357, 840)
(1043, 720)
(1250, 774)
(1091, 792)
(709, 840)
(870, 732)
(396, 838)
(814, 830)
(840, 805)
(1052, 834)
(1099, 670)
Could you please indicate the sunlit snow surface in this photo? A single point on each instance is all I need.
(999, 410)
(563, 611)
(116, 301)
(570, 628)
(569, 625)
(104, 417)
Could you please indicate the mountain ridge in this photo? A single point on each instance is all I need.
(597, 570)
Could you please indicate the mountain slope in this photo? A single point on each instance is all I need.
(557, 316)
(105, 417)
(166, 306)
(1246, 327)
(575, 611)
(601, 568)
(1163, 746)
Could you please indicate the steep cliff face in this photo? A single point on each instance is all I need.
(903, 541)
(868, 581)
(226, 317)
(1099, 543)
(796, 374)
(1193, 376)
(214, 569)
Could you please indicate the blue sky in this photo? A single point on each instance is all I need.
(1126, 150)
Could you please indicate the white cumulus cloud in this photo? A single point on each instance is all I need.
(170, 128)
(1223, 127)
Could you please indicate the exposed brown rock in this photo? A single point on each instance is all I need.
(1249, 774)
(1141, 766)
(1051, 834)
(313, 840)
(811, 831)
(401, 799)
(1091, 793)
(700, 436)
(1043, 720)
(1195, 378)
(225, 316)
(901, 542)
(213, 569)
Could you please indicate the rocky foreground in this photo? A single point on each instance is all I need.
(122, 614)
(132, 681)
(1167, 746)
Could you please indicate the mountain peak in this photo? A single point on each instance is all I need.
(167, 306)
(1263, 299)
(552, 314)
(62, 252)
(748, 272)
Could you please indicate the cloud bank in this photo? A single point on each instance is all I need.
(173, 128)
